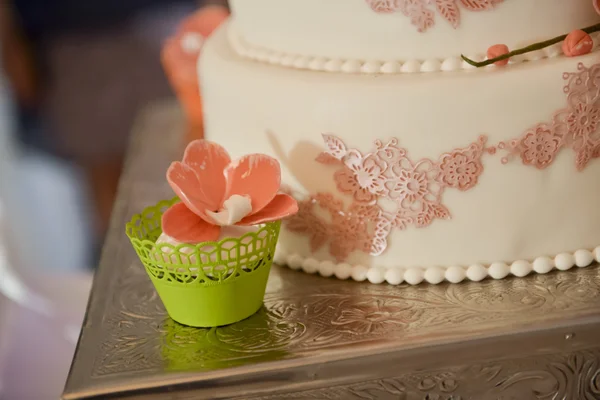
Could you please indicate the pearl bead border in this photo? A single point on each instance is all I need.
(354, 66)
(434, 275)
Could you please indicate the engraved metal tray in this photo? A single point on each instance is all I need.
(317, 338)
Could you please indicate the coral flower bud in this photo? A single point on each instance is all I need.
(498, 50)
(577, 43)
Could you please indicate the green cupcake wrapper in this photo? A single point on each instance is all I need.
(208, 284)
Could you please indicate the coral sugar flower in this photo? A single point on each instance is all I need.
(216, 192)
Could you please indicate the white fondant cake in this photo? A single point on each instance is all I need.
(444, 174)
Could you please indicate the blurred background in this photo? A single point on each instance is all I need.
(74, 74)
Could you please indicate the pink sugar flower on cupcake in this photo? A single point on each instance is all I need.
(216, 192)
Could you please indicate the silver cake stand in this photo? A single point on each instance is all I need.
(316, 338)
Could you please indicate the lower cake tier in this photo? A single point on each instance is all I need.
(430, 176)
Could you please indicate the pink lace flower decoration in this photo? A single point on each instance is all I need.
(539, 147)
(583, 120)
(459, 170)
(216, 192)
(362, 177)
(347, 183)
(413, 186)
(384, 6)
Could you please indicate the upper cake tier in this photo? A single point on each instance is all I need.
(400, 30)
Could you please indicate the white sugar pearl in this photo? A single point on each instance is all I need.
(520, 268)
(280, 257)
(498, 270)
(451, 64)
(326, 268)
(275, 58)
(583, 258)
(434, 275)
(455, 274)
(376, 275)
(414, 276)
(431, 66)
(262, 55)
(371, 67)
(301, 62)
(390, 67)
(295, 261)
(597, 253)
(564, 261)
(411, 66)
(343, 271)
(351, 66)
(310, 265)
(394, 276)
(359, 273)
(543, 265)
(317, 64)
(476, 272)
(333, 65)
(287, 61)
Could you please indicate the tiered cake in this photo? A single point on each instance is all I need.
(409, 163)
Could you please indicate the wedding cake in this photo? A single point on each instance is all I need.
(410, 160)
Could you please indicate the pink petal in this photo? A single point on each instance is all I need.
(185, 184)
(282, 206)
(185, 226)
(257, 176)
(208, 160)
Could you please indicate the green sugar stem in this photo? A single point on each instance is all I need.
(527, 49)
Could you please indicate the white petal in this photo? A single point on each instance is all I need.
(234, 210)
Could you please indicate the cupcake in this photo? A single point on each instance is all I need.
(209, 251)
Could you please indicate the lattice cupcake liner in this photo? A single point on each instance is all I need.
(207, 284)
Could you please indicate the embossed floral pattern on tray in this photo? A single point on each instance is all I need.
(421, 14)
(573, 375)
(306, 318)
(390, 191)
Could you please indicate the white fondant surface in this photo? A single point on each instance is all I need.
(516, 212)
(349, 29)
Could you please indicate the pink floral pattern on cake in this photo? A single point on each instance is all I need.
(413, 186)
(460, 169)
(347, 182)
(583, 120)
(384, 6)
(388, 191)
(421, 14)
(577, 126)
(362, 178)
(539, 146)
(345, 230)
